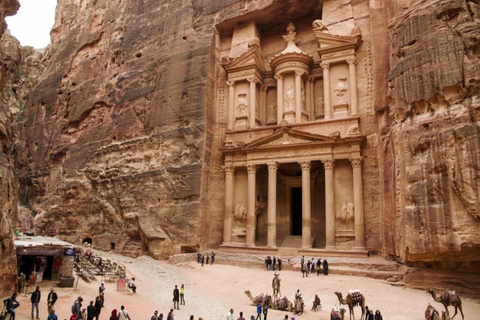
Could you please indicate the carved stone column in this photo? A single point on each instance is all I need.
(298, 96)
(272, 205)
(279, 78)
(353, 86)
(227, 221)
(252, 102)
(328, 164)
(326, 90)
(250, 236)
(231, 105)
(358, 202)
(306, 206)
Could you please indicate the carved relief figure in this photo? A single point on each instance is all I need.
(303, 98)
(242, 105)
(341, 90)
(289, 99)
(346, 214)
(272, 111)
(240, 213)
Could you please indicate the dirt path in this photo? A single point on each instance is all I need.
(212, 290)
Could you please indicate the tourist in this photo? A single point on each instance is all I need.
(269, 263)
(298, 295)
(325, 267)
(286, 317)
(308, 266)
(304, 270)
(114, 315)
(319, 266)
(259, 312)
(368, 314)
(101, 293)
(378, 315)
(203, 260)
(199, 257)
(208, 257)
(313, 266)
(98, 307)
(274, 263)
(241, 316)
(91, 311)
(132, 286)
(230, 315)
(51, 299)
(192, 317)
(123, 314)
(52, 315)
(155, 316)
(279, 260)
(77, 307)
(160, 317)
(35, 299)
(11, 304)
(176, 298)
(213, 257)
(170, 315)
(182, 294)
(266, 263)
(265, 311)
(302, 262)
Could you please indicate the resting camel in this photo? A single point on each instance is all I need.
(261, 298)
(431, 313)
(448, 298)
(350, 303)
(283, 304)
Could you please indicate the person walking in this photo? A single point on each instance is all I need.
(213, 257)
(155, 316)
(259, 312)
(241, 316)
(77, 307)
(378, 315)
(182, 294)
(176, 298)
(304, 270)
(325, 267)
(302, 263)
(52, 315)
(230, 315)
(279, 260)
(101, 293)
(123, 314)
(368, 314)
(265, 311)
(35, 299)
(11, 304)
(98, 307)
(91, 311)
(114, 315)
(274, 263)
(313, 266)
(170, 315)
(319, 266)
(51, 299)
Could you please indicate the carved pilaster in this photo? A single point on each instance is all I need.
(229, 169)
(328, 164)
(305, 165)
(272, 167)
(251, 168)
(351, 61)
(356, 162)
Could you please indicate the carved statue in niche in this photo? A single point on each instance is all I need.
(346, 215)
(240, 213)
(341, 91)
(289, 99)
(259, 206)
(242, 105)
(272, 111)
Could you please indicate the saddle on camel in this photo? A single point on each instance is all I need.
(356, 297)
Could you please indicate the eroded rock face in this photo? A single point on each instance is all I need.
(431, 147)
(9, 58)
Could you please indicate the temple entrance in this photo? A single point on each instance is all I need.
(296, 211)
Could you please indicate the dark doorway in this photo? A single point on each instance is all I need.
(296, 211)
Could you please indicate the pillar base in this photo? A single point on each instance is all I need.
(360, 248)
(272, 246)
(330, 248)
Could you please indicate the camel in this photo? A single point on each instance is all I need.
(431, 313)
(298, 306)
(261, 298)
(276, 288)
(351, 302)
(448, 298)
(283, 304)
(337, 314)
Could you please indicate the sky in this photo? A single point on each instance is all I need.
(33, 22)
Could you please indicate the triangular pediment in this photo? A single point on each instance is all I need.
(250, 59)
(327, 42)
(288, 137)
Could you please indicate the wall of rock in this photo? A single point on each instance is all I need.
(9, 60)
(430, 138)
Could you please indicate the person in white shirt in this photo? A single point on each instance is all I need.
(123, 314)
(230, 315)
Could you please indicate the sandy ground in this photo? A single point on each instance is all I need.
(210, 291)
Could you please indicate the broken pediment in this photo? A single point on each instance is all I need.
(328, 43)
(288, 137)
(249, 60)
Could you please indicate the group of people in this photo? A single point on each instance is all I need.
(310, 266)
(271, 264)
(369, 315)
(204, 258)
(11, 304)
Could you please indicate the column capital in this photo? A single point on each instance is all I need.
(253, 79)
(299, 73)
(229, 169)
(251, 168)
(325, 65)
(352, 61)
(305, 165)
(328, 164)
(356, 162)
(278, 77)
(272, 166)
(230, 83)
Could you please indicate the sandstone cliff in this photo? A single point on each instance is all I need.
(9, 58)
(430, 137)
